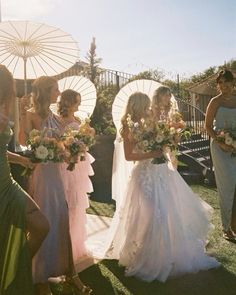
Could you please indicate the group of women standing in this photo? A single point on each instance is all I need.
(46, 234)
(159, 229)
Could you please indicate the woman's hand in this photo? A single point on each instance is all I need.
(26, 162)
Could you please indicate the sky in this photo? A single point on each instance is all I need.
(182, 37)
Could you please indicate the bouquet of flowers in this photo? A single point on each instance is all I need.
(228, 137)
(149, 135)
(44, 146)
(77, 143)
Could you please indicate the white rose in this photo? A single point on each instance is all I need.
(145, 143)
(41, 152)
(152, 142)
(136, 124)
(159, 138)
(228, 140)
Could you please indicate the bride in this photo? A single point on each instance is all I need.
(161, 227)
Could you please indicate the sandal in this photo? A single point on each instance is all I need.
(229, 235)
(60, 286)
(83, 289)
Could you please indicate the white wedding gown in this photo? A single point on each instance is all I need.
(161, 227)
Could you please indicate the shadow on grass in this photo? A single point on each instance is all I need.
(107, 278)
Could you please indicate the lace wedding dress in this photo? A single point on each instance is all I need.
(161, 227)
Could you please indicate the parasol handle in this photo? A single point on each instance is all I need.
(16, 121)
(25, 76)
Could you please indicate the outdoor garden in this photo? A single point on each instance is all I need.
(106, 277)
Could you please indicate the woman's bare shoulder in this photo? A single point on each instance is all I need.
(215, 101)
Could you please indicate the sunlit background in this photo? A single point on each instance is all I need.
(183, 36)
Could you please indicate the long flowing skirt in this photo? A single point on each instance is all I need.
(77, 186)
(162, 226)
(225, 173)
(54, 257)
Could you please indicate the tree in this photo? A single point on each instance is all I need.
(229, 65)
(204, 75)
(101, 119)
(178, 88)
(92, 69)
(155, 75)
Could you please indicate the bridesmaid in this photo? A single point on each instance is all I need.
(221, 114)
(77, 182)
(47, 187)
(22, 225)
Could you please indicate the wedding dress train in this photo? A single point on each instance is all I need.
(161, 227)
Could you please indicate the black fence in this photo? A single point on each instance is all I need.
(108, 77)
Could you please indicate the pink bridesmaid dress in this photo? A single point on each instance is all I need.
(77, 186)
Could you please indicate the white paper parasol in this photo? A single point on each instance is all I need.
(87, 91)
(30, 50)
(146, 86)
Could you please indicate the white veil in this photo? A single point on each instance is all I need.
(121, 168)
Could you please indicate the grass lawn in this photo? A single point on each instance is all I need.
(107, 278)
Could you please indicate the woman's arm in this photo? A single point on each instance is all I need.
(210, 116)
(18, 159)
(130, 155)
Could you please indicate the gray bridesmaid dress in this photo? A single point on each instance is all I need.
(224, 166)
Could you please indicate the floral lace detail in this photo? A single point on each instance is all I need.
(131, 258)
(146, 172)
(145, 178)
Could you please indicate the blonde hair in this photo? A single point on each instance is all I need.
(7, 85)
(157, 98)
(137, 106)
(67, 100)
(41, 93)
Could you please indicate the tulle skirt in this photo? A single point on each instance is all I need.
(77, 186)
(161, 227)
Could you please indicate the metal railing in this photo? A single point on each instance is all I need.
(199, 143)
(108, 77)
